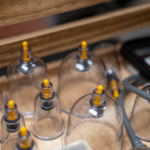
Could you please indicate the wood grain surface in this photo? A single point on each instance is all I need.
(53, 72)
(68, 36)
(17, 11)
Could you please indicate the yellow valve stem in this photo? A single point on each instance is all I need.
(116, 93)
(12, 115)
(113, 84)
(97, 100)
(25, 49)
(24, 132)
(25, 46)
(46, 92)
(83, 54)
(100, 89)
(83, 44)
(114, 88)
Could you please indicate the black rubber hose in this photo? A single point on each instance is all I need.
(134, 140)
(134, 89)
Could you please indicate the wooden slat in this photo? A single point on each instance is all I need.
(17, 11)
(68, 36)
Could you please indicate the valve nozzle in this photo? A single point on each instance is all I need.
(46, 92)
(113, 84)
(25, 49)
(83, 45)
(12, 115)
(23, 131)
(46, 83)
(25, 46)
(26, 143)
(11, 104)
(99, 91)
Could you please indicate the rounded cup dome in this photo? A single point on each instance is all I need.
(47, 123)
(97, 119)
(79, 73)
(25, 75)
